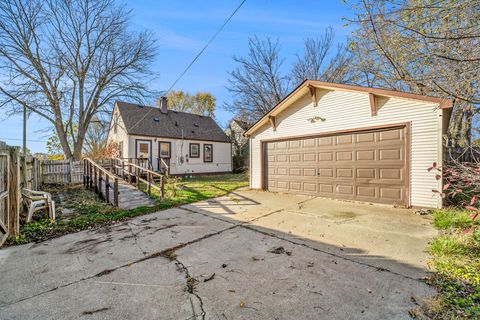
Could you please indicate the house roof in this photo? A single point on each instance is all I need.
(150, 121)
(303, 89)
(242, 124)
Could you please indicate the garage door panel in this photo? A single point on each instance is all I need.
(325, 156)
(344, 139)
(295, 172)
(363, 138)
(366, 155)
(367, 191)
(309, 157)
(390, 135)
(344, 173)
(309, 143)
(344, 155)
(366, 173)
(390, 154)
(344, 190)
(395, 174)
(368, 166)
(391, 193)
(325, 141)
(326, 188)
(325, 172)
(295, 157)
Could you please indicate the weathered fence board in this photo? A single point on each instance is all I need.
(61, 171)
(4, 184)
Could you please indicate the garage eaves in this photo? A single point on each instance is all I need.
(307, 85)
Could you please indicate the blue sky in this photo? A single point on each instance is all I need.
(182, 27)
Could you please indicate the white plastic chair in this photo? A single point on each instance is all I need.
(38, 200)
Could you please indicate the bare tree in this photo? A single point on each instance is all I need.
(310, 64)
(257, 84)
(67, 60)
(427, 48)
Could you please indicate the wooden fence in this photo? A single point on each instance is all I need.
(4, 184)
(17, 172)
(9, 191)
(61, 171)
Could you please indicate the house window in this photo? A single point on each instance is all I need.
(164, 148)
(194, 150)
(120, 149)
(207, 153)
(144, 148)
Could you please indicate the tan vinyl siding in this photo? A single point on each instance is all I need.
(349, 110)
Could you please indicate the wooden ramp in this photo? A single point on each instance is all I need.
(129, 196)
(111, 185)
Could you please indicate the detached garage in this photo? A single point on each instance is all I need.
(348, 142)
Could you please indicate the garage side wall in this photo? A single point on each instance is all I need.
(349, 110)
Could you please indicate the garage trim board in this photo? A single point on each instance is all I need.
(373, 186)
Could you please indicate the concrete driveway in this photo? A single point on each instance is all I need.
(248, 255)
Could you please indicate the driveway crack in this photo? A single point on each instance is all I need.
(166, 253)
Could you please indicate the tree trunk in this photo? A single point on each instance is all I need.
(62, 136)
(78, 146)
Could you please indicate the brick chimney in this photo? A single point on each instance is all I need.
(162, 104)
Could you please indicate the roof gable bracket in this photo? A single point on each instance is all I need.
(313, 94)
(271, 119)
(373, 106)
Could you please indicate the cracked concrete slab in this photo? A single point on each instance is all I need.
(216, 260)
(33, 268)
(391, 238)
(151, 290)
(252, 283)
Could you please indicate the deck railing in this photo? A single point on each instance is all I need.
(135, 174)
(95, 177)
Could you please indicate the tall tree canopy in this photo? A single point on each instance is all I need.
(426, 47)
(66, 60)
(203, 103)
(260, 80)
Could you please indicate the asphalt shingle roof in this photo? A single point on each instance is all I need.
(170, 124)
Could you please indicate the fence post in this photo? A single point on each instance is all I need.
(115, 192)
(70, 170)
(100, 182)
(35, 173)
(107, 188)
(162, 187)
(13, 213)
(149, 175)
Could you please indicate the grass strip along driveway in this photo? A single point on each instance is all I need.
(456, 262)
(88, 211)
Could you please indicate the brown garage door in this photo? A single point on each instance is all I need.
(364, 166)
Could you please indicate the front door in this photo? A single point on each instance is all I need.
(144, 152)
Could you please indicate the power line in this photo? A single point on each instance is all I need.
(196, 57)
(14, 139)
(206, 45)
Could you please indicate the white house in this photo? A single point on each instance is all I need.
(188, 143)
(351, 142)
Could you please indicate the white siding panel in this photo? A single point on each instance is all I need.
(350, 110)
(222, 156)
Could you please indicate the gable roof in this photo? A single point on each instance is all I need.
(303, 89)
(242, 124)
(150, 121)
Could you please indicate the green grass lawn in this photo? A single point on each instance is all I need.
(87, 211)
(456, 261)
